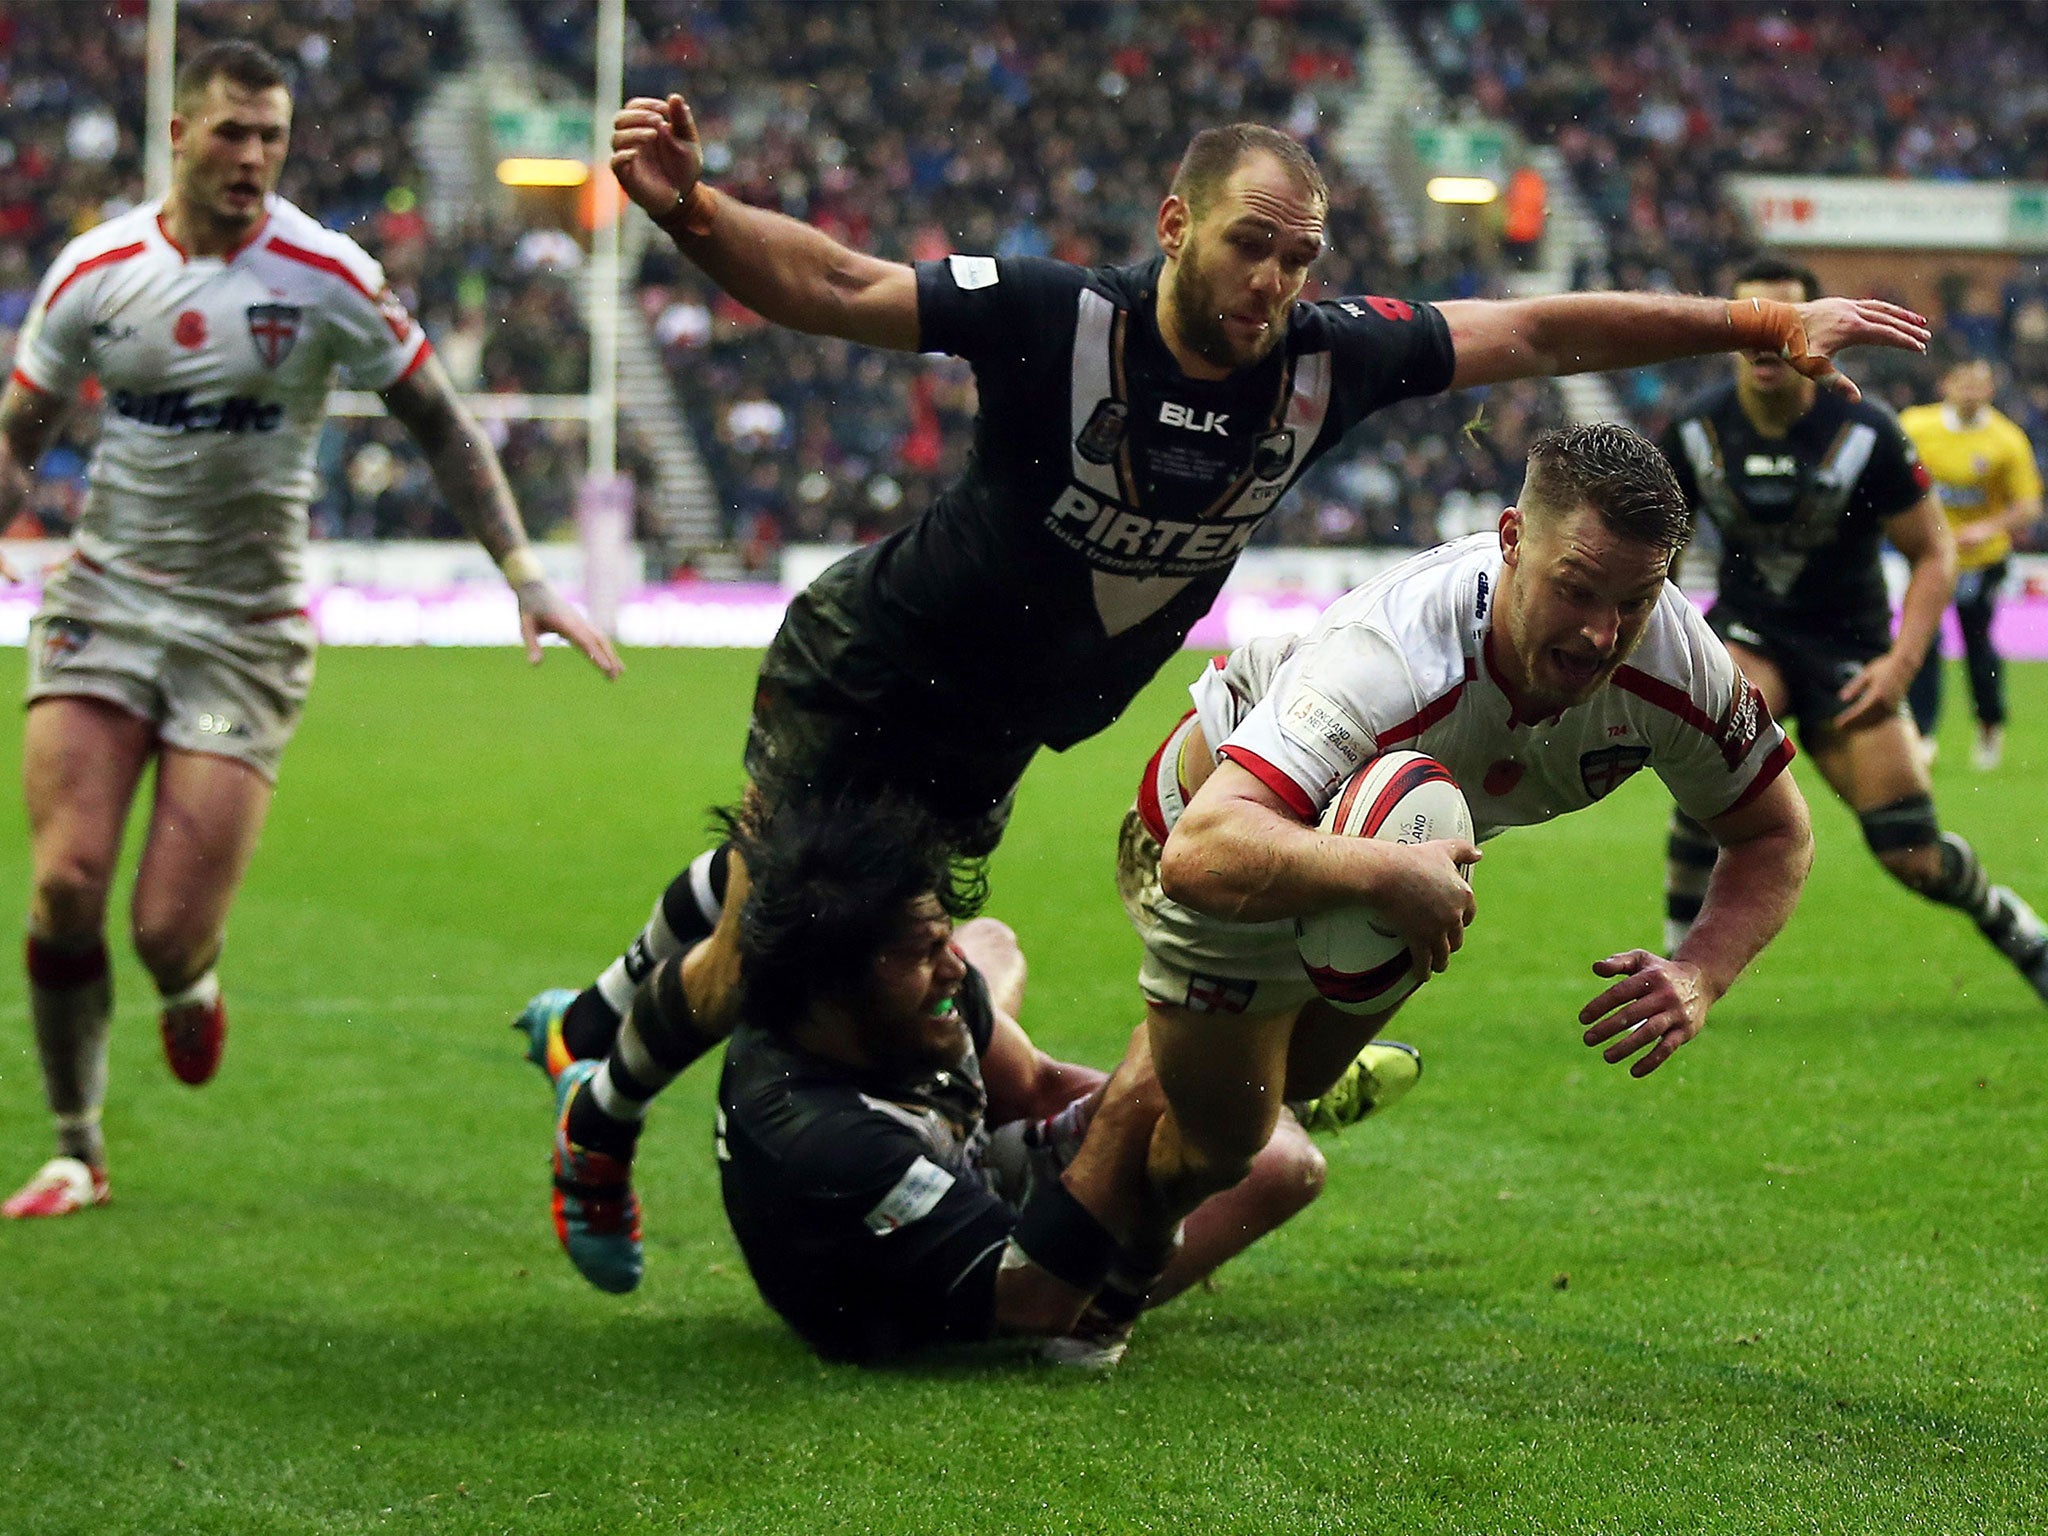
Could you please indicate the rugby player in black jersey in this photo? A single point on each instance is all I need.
(900, 1164)
(1803, 487)
(1136, 424)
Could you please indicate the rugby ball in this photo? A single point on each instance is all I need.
(1357, 960)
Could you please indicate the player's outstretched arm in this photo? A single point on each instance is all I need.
(1498, 339)
(778, 267)
(465, 466)
(1921, 534)
(1239, 853)
(1661, 1002)
(28, 421)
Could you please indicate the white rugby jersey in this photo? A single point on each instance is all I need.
(215, 375)
(1405, 662)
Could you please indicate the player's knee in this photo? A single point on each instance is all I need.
(1906, 837)
(1290, 1173)
(70, 897)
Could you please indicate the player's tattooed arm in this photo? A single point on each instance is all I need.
(779, 267)
(465, 466)
(1657, 1003)
(28, 422)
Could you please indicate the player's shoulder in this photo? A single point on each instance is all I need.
(1919, 420)
(304, 246)
(1431, 608)
(2009, 430)
(1706, 403)
(119, 239)
(1680, 655)
(1831, 410)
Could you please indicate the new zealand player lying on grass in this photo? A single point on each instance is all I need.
(890, 1142)
(1136, 425)
(1804, 489)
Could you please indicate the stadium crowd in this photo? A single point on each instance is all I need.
(1653, 106)
(853, 119)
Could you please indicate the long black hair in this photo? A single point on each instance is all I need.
(830, 880)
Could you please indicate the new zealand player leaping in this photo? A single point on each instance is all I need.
(174, 630)
(1803, 488)
(1543, 666)
(1136, 424)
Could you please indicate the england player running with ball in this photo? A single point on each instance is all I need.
(173, 631)
(1136, 426)
(1543, 666)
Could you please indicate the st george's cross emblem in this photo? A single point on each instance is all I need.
(275, 330)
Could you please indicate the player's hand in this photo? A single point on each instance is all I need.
(542, 610)
(1875, 692)
(7, 570)
(655, 152)
(1657, 1003)
(1970, 535)
(1829, 325)
(1424, 892)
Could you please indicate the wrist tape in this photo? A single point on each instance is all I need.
(522, 567)
(1766, 325)
(696, 208)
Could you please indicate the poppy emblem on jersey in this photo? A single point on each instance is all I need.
(1602, 771)
(1270, 460)
(1502, 777)
(275, 330)
(190, 331)
(1104, 434)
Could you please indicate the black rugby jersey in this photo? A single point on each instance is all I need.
(1107, 495)
(859, 1204)
(1801, 517)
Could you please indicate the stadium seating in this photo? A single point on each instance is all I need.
(1652, 107)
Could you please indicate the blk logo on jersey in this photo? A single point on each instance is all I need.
(190, 329)
(1173, 414)
(275, 330)
(1602, 771)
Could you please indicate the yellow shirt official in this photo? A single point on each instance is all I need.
(1979, 471)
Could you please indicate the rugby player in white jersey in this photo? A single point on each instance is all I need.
(1542, 666)
(214, 322)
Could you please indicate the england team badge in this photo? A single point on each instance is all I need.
(1602, 771)
(275, 330)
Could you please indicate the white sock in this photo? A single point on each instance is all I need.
(203, 993)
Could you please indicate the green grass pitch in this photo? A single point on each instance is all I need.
(1793, 1282)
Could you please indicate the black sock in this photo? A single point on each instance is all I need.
(687, 912)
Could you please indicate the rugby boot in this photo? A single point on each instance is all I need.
(597, 1215)
(2021, 937)
(1102, 1337)
(540, 1021)
(1380, 1076)
(194, 1035)
(61, 1187)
